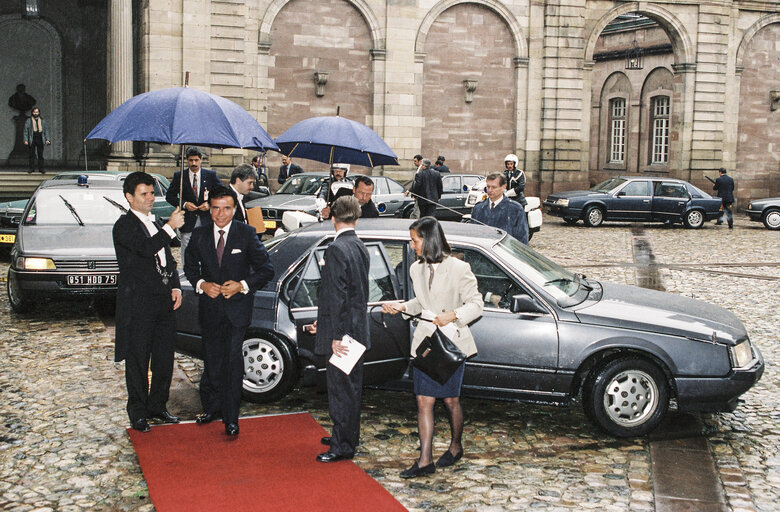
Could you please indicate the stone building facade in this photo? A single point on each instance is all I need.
(470, 79)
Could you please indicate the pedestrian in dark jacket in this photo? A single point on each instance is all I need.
(515, 179)
(428, 188)
(725, 187)
(499, 212)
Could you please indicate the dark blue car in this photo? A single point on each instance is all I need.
(636, 199)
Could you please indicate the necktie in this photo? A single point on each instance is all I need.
(220, 246)
(195, 184)
(430, 278)
(492, 205)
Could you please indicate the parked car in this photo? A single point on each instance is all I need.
(759, 210)
(636, 199)
(64, 246)
(533, 211)
(546, 335)
(11, 212)
(299, 194)
(455, 189)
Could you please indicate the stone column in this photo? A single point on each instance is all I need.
(120, 65)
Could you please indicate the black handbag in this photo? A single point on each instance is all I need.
(437, 355)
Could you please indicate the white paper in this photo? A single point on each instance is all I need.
(427, 328)
(347, 362)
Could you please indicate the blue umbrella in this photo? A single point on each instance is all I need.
(181, 115)
(335, 139)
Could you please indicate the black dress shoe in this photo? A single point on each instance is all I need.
(415, 471)
(141, 425)
(448, 459)
(325, 440)
(206, 417)
(231, 429)
(165, 417)
(333, 457)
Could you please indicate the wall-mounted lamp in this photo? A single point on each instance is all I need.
(320, 79)
(30, 9)
(634, 57)
(774, 100)
(470, 85)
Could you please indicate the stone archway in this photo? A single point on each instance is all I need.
(43, 80)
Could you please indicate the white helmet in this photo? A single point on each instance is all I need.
(512, 158)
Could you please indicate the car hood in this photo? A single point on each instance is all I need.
(762, 202)
(67, 241)
(640, 309)
(574, 193)
(286, 201)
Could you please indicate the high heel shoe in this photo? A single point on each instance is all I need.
(416, 470)
(448, 459)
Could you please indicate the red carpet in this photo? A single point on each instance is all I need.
(269, 466)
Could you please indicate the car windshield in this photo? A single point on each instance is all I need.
(556, 280)
(301, 184)
(81, 206)
(610, 184)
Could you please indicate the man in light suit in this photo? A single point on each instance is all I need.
(226, 264)
(148, 293)
(194, 196)
(342, 309)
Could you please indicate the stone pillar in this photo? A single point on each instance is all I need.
(120, 65)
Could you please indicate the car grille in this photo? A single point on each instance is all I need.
(10, 221)
(87, 265)
(269, 213)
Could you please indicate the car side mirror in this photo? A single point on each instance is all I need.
(525, 304)
(381, 207)
(621, 194)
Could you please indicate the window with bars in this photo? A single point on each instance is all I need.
(617, 136)
(660, 135)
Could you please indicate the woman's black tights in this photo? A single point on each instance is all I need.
(425, 406)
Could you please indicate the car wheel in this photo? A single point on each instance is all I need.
(270, 371)
(627, 397)
(771, 220)
(570, 221)
(19, 303)
(694, 219)
(594, 216)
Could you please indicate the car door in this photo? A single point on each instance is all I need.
(633, 201)
(518, 352)
(452, 197)
(388, 357)
(669, 200)
(396, 198)
(386, 201)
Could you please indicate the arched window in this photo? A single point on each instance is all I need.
(659, 145)
(617, 130)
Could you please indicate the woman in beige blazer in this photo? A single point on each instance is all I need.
(445, 286)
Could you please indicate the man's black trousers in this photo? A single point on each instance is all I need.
(223, 370)
(37, 145)
(152, 338)
(345, 393)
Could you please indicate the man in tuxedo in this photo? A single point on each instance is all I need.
(287, 169)
(342, 310)
(194, 196)
(148, 293)
(242, 180)
(428, 188)
(226, 264)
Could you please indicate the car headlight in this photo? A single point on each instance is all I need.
(750, 206)
(562, 202)
(35, 263)
(741, 354)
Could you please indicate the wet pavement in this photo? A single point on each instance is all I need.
(63, 444)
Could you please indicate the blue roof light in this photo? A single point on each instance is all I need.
(82, 180)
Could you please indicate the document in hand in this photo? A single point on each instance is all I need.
(450, 330)
(347, 362)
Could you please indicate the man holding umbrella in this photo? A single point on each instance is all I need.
(194, 191)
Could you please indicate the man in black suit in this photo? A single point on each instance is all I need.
(226, 264)
(342, 310)
(287, 169)
(242, 180)
(148, 293)
(197, 184)
(364, 189)
(428, 187)
(725, 187)
(440, 166)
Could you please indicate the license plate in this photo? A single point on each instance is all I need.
(269, 224)
(7, 239)
(92, 280)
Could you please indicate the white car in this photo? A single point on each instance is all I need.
(533, 209)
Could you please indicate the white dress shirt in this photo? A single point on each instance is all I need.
(225, 230)
(148, 220)
(240, 204)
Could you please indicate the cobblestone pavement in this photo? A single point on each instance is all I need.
(63, 444)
